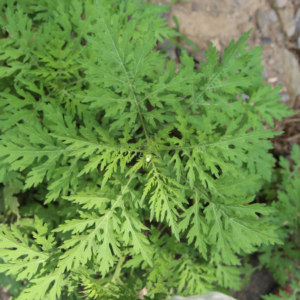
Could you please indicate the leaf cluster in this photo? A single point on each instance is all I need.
(118, 154)
(281, 259)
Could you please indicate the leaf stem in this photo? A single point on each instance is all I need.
(116, 276)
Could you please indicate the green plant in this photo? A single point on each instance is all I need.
(284, 192)
(136, 175)
(295, 286)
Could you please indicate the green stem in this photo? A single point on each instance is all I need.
(116, 276)
(159, 226)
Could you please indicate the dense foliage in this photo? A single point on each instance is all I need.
(284, 193)
(129, 173)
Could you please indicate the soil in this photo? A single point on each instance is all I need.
(261, 283)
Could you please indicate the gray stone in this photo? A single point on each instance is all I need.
(288, 22)
(245, 96)
(290, 28)
(262, 19)
(298, 42)
(297, 31)
(284, 97)
(293, 73)
(265, 40)
(298, 13)
(264, 74)
(195, 6)
(169, 48)
(208, 296)
(280, 3)
(272, 16)
(279, 37)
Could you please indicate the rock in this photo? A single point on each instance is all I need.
(195, 6)
(216, 43)
(280, 3)
(298, 13)
(262, 19)
(279, 37)
(284, 97)
(272, 16)
(290, 28)
(265, 40)
(297, 32)
(298, 42)
(169, 48)
(271, 61)
(288, 23)
(272, 79)
(287, 17)
(292, 73)
(208, 296)
(142, 293)
(264, 74)
(245, 97)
